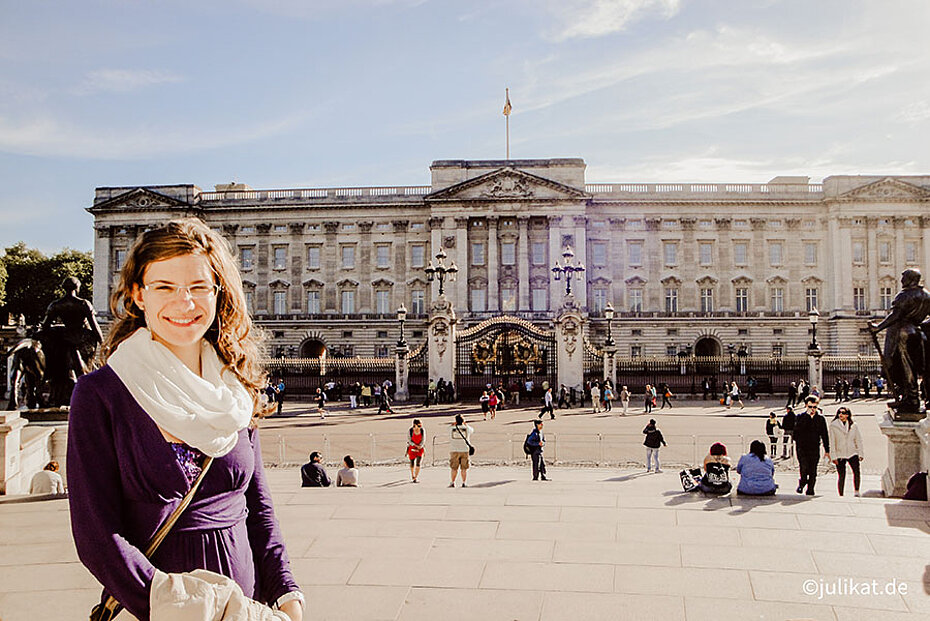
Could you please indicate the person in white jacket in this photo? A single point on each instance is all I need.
(846, 442)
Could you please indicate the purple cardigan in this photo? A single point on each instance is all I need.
(124, 480)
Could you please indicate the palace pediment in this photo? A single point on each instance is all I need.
(887, 189)
(508, 184)
(140, 199)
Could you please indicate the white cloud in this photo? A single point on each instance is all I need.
(596, 18)
(124, 80)
(915, 112)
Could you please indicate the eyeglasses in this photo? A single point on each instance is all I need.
(167, 291)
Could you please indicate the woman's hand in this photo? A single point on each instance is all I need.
(293, 609)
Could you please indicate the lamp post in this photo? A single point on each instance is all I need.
(813, 316)
(609, 315)
(402, 317)
(441, 271)
(568, 269)
(731, 349)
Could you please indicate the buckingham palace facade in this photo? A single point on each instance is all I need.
(691, 267)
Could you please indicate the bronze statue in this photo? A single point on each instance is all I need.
(70, 335)
(905, 354)
(26, 368)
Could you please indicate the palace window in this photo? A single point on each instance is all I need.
(636, 351)
(740, 253)
(858, 252)
(884, 252)
(776, 254)
(477, 253)
(280, 257)
(859, 303)
(508, 253)
(250, 302)
(778, 350)
(707, 300)
(540, 302)
(671, 350)
(810, 299)
(865, 349)
(280, 302)
(600, 301)
(671, 299)
(348, 257)
(599, 254)
(636, 253)
(246, 257)
(313, 257)
(886, 295)
(383, 255)
(636, 300)
(508, 299)
(313, 302)
(348, 227)
(417, 255)
(670, 252)
(247, 229)
(810, 253)
(538, 253)
(348, 302)
(479, 299)
(910, 252)
(418, 302)
(382, 301)
(742, 299)
(706, 253)
(383, 226)
(280, 228)
(382, 351)
(778, 299)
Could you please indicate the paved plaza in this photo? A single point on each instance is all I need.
(594, 543)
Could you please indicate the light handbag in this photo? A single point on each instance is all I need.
(109, 608)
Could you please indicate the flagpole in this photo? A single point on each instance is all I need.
(507, 109)
(508, 136)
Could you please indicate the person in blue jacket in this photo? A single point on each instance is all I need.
(757, 472)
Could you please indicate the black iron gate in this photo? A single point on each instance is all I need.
(508, 350)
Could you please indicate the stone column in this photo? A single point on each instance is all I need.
(556, 289)
(399, 248)
(401, 390)
(904, 454)
(726, 299)
(581, 257)
(364, 262)
(493, 265)
(569, 342)
(297, 251)
(102, 262)
(264, 302)
(844, 283)
(11, 480)
(441, 343)
(460, 296)
(925, 264)
(523, 264)
(331, 263)
(815, 368)
(872, 254)
(610, 364)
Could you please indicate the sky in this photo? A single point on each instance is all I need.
(323, 93)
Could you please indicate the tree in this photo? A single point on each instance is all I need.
(2, 282)
(33, 280)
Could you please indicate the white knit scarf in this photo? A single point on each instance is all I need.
(205, 412)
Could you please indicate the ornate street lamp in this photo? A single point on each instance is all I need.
(441, 271)
(813, 316)
(567, 269)
(402, 317)
(609, 314)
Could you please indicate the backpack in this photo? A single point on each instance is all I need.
(527, 447)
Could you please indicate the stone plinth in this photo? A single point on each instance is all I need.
(815, 367)
(441, 342)
(923, 433)
(904, 454)
(569, 343)
(401, 390)
(11, 427)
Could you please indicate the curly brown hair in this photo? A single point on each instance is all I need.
(236, 340)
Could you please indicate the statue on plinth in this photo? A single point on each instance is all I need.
(906, 353)
(70, 335)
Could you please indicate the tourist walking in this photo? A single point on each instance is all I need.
(756, 472)
(648, 399)
(810, 431)
(485, 401)
(348, 475)
(608, 396)
(792, 395)
(653, 442)
(279, 394)
(493, 400)
(176, 397)
(625, 395)
(787, 429)
(384, 402)
(771, 430)
(595, 398)
(321, 403)
(666, 396)
(846, 441)
(354, 391)
(459, 448)
(735, 396)
(536, 441)
(416, 446)
(366, 395)
(547, 404)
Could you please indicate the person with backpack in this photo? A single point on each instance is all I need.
(653, 442)
(533, 446)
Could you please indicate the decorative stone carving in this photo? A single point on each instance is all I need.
(263, 229)
(617, 224)
(888, 189)
(400, 226)
(435, 222)
(758, 224)
(653, 224)
(794, 224)
(687, 224)
(568, 240)
(508, 186)
(448, 241)
(365, 227)
(723, 224)
(581, 221)
(331, 227)
(230, 229)
(441, 337)
(571, 330)
(297, 228)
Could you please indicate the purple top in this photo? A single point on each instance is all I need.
(124, 479)
(191, 460)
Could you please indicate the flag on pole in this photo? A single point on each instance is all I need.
(507, 106)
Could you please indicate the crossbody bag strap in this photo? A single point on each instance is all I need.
(459, 429)
(111, 604)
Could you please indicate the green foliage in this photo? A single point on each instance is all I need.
(2, 281)
(33, 280)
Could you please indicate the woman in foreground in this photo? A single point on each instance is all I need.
(181, 385)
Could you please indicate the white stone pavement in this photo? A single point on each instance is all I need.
(592, 544)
